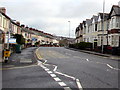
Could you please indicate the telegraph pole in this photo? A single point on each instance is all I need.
(69, 34)
(103, 26)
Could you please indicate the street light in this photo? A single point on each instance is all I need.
(103, 26)
(69, 33)
(69, 28)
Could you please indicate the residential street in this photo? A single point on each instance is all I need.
(91, 70)
(62, 68)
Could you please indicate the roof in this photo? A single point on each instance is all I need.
(116, 9)
(77, 29)
(106, 16)
(84, 23)
(95, 18)
(5, 15)
(88, 21)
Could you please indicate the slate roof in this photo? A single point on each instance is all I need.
(106, 16)
(116, 9)
(88, 21)
(95, 18)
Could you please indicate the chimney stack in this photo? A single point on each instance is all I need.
(18, 23)
(3, 10)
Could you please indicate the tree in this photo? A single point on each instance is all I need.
(19, 39)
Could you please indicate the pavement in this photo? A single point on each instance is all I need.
(114, 57)
(26, 57)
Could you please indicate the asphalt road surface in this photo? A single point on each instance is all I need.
(81, 70)
(63, 69)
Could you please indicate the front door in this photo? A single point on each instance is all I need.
(119, 41)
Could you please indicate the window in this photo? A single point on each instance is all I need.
(112, 40)
(95, 27)
(0, 21)
(111, 22)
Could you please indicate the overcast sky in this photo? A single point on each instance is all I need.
(52, 16)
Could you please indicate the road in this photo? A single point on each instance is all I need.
(63, 69)
(92, 71)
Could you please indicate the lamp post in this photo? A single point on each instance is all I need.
(69, 28)
(69, 33)
(103, 26)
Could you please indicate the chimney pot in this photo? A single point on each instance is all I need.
(3, 10)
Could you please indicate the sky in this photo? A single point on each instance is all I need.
(52, 16)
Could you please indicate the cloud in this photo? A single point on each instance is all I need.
(53, 15)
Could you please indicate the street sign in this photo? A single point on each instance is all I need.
(12, 40)
(34, 39)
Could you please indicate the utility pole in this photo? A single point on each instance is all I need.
(103, 26)
(69, 29)
(69, 33)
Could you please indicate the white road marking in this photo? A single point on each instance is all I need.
(57, 79)
(78, 84)
(52, 75)
(55, 68)
(87, 60)
(49, 72)
(45, 61)
(112, 67)
(66, 75)
(67, 88)
(109, 66)
(46, 69)
(62, 84)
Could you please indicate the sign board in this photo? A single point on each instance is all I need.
(12, 40)
(34, 39)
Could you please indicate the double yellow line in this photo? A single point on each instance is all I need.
(38, 54)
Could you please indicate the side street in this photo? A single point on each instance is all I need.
(15, 36)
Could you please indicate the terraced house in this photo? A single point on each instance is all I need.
(99, 31)
(31, 36)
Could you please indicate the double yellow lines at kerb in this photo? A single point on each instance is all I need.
(38, 54)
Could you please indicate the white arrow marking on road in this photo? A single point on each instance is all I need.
(87, 60)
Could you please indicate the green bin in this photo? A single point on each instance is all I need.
(18, 48)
